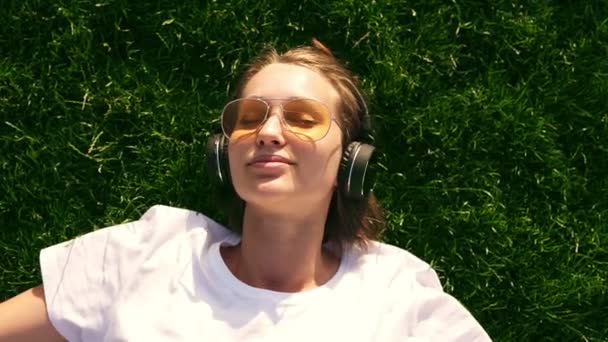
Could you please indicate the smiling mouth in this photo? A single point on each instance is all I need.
(269, 165)
(270, 160)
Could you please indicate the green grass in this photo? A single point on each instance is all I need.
(492, 124)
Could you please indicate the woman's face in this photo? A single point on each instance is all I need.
(273, 166)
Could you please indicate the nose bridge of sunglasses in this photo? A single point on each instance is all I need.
(274, 119)
(275, 109)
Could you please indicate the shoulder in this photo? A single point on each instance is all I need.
(414, 301)
(178, 218)
(396, 266)
(158, 226)
(168, 221)
(83, 277)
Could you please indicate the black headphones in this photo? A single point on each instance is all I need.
(354, 176)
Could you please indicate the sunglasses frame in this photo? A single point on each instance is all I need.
(269, 106)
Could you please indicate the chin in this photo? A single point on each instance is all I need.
(273, 195)
(265, 191)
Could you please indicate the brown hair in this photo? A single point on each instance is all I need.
(348, 221)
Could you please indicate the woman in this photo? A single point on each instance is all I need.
(300, 262)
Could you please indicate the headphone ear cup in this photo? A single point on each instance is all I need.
(217, 159)
(354, 177)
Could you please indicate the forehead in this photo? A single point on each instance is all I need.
(281, 80)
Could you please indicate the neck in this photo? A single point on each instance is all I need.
(282, 251)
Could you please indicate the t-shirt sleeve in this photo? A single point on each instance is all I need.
(82, 276)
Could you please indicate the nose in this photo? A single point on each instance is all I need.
(271, 132)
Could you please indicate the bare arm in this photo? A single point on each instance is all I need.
(24, 318)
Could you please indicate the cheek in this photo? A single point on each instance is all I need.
(322, 164)
(334, 152)
(236, 157)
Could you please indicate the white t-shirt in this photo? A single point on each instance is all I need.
(162, 278)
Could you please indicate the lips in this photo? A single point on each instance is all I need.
(269, 158)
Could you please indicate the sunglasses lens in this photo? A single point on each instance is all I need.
(243, 117)
(307, 118)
